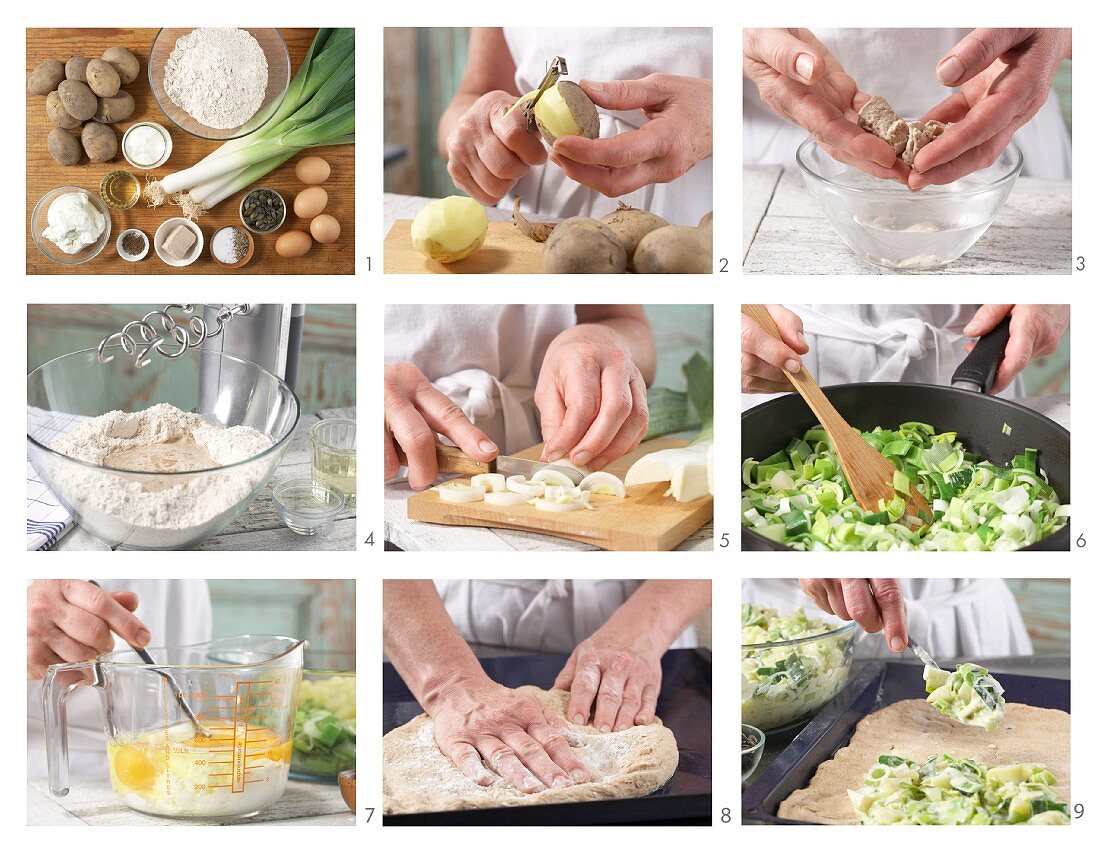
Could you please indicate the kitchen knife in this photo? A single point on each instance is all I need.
(451, 459)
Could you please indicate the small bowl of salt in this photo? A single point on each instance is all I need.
(307, 506)
(232, 247)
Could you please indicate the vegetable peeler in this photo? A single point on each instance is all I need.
(556, 71)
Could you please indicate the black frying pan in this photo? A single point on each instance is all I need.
(964, 408)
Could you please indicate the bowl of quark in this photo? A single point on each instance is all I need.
(892, 227)
(71, 238)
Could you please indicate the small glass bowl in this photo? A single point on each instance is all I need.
(167, 144)
(252, 192)
(278, 78)
(39, 222)
(750, 756)
(334, 455)
(305, 506)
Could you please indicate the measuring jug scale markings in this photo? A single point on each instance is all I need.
(160, 763)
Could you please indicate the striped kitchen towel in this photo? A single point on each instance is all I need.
(47, 518)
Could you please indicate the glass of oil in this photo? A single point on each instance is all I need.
(334, 455)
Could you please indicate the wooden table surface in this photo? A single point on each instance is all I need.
(259, 528)
(785, 232)
(92, 801)
(44, 174)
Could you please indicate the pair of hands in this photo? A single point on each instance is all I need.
(590, 394)
(613, 678)
(69, 620)
(488, 151)
(1004, 77)
(1034, 331)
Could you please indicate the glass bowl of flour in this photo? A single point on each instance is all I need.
(889, 226)
(162, 457)
(219, 82)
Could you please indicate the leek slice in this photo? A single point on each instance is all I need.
(603, 483)
(549, 476)
(491, 482)
(459, 491)
(525, 487)
(506, 498)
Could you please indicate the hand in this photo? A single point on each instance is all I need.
(614, 677)
(488, 152)
(415, 413)
(800, 80)
(763, 358)
(483, 723)
(69, 620)
(1005, 76)
(677, 135)
(591, 397)
(875, 604)
(1034, 331)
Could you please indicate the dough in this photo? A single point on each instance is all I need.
(418, 778)
(915, 730)
(905, 137)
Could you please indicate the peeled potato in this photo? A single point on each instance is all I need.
(563, 110)
(450, 229)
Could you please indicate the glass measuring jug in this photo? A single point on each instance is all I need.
(242, 691)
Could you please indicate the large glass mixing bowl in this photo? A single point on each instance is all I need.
(108, 502)
(887, 225)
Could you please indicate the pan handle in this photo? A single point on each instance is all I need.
(981, 365)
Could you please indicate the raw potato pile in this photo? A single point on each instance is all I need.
(86, 95)
(627, 239)
(905, 137)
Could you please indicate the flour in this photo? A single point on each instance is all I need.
(142, 510)
(217, 75)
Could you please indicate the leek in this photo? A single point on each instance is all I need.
(688, 470)
(317, 109)
(976, 505)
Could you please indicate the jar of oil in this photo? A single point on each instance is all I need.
(120, 190)
(334, 455)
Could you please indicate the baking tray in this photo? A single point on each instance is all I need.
(879, 684)
(684, 706)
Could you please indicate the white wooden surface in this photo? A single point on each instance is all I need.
(259, 528)
(785, 232)
(92, 801)
(412, 536)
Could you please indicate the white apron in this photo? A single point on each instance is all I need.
(900, 65)
(950, 618)
(485, 357)
(918, 343)
(177, 612)
(605, 54)
(539, 615)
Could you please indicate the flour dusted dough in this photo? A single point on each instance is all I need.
(914, 730)
(418, 778)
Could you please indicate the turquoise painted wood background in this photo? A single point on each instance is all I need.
(1044, 603)
(679, 330)
(319, 610)
(326, 373)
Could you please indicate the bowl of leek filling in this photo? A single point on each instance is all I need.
(324, 723)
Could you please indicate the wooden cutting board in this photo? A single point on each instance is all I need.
(44, 174)
(506, 252)
(645, 520)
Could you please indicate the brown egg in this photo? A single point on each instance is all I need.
(293, 243)
(310, 203)
(312, 170)
(325, 229)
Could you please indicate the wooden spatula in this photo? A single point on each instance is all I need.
(870, 475)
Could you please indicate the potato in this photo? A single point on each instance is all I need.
(630, 225)
(118, 108)
(75, 69)
(675, 250)
(102, 78)
(45, 77)
(583, 246)
(78, 99)
(59, 116)
(124, 63)
(100, 143)
(63, 147)
(450, 229)
(565, 110)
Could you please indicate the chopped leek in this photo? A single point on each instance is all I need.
(799, 496)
